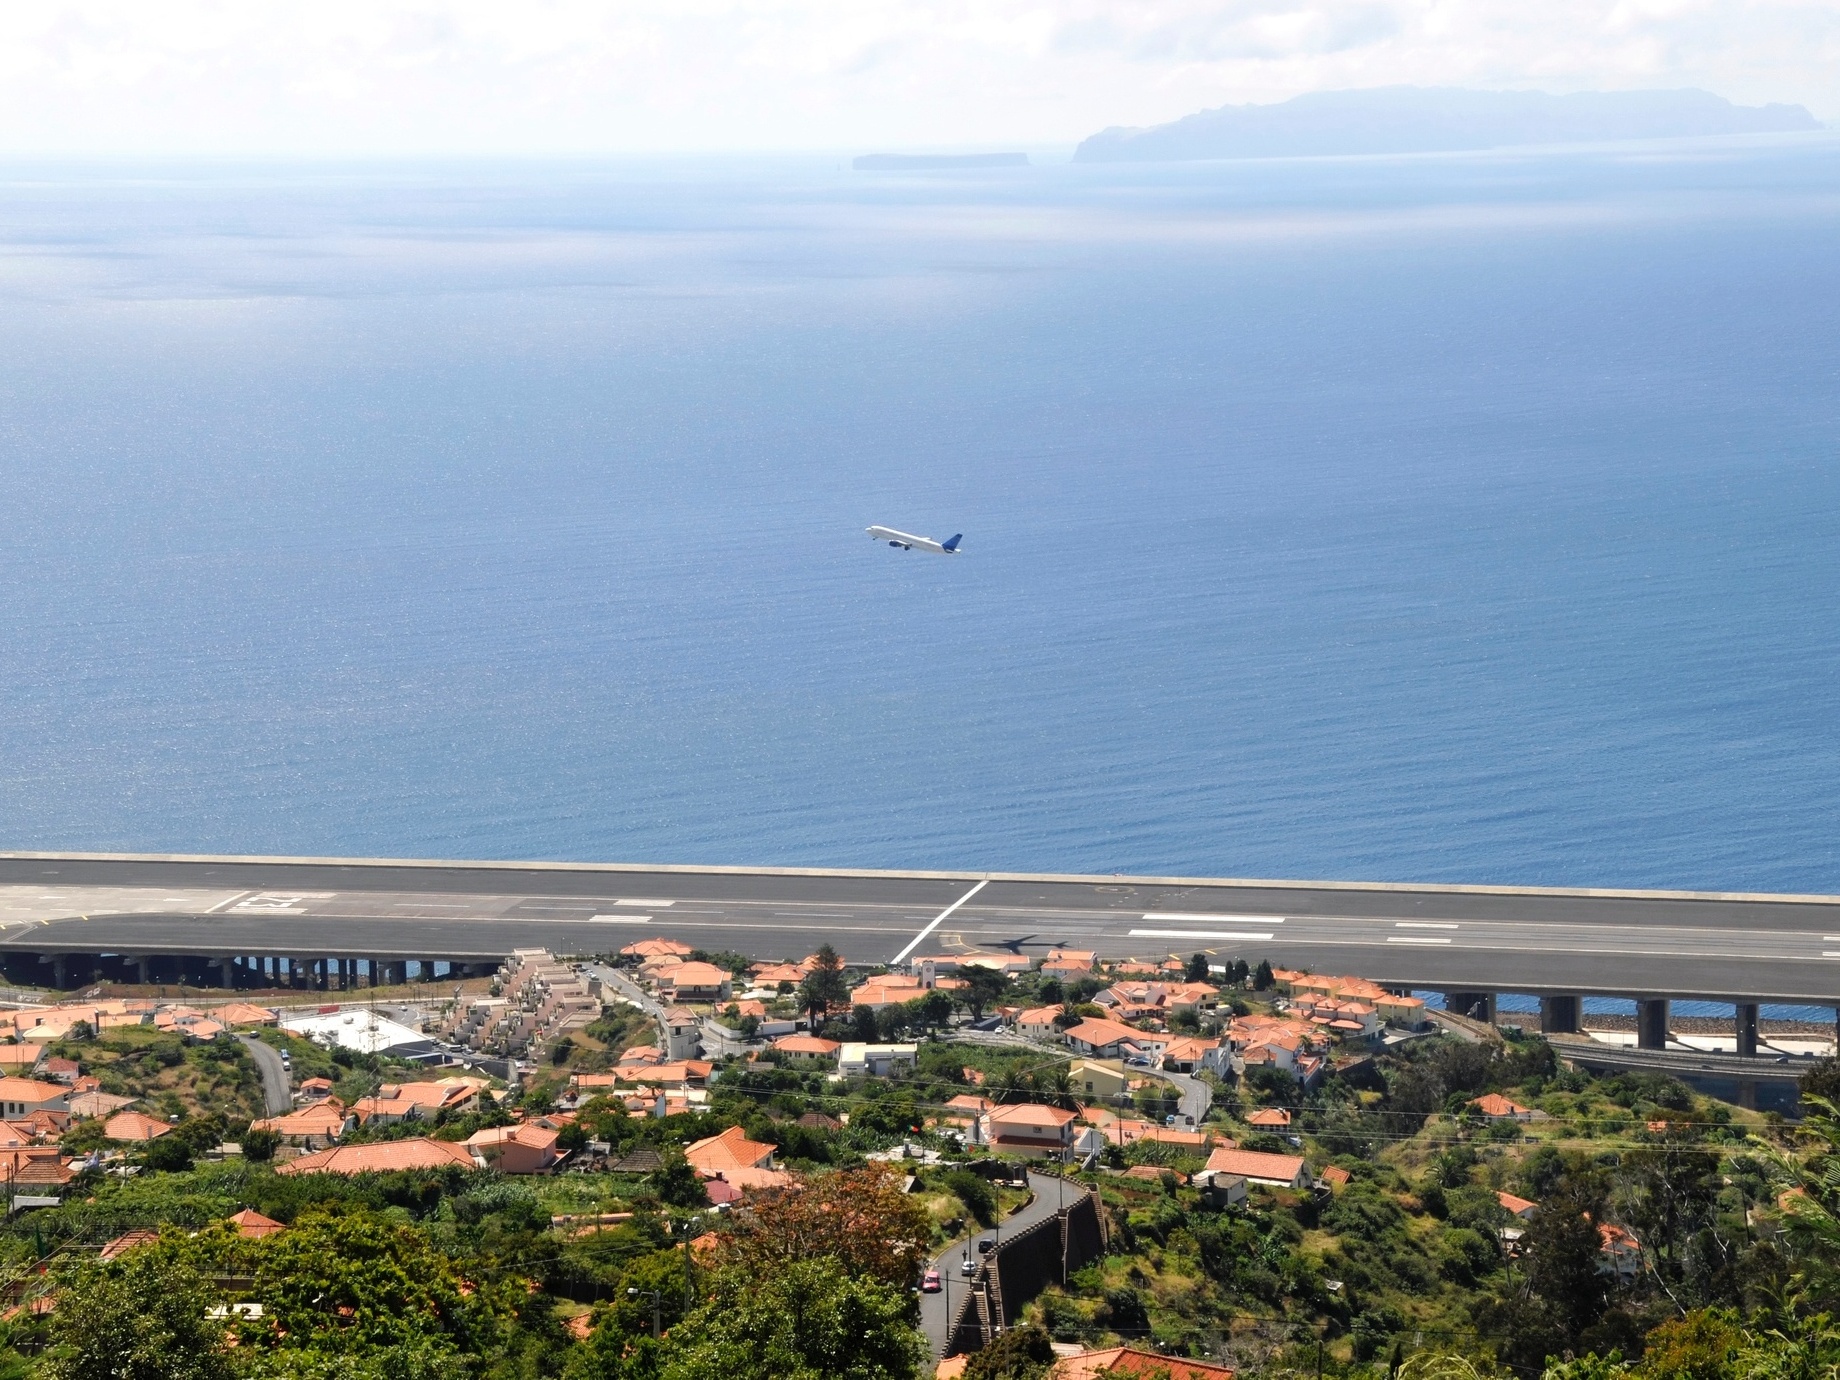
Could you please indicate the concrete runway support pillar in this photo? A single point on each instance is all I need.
(60, 971)
(1560, 1015)
(1478, 1006)
(226, 974)
(143, 969)
(427, 970)
(1747, 1034)
(1652, 1023)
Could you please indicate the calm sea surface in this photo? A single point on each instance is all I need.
(1456, 518)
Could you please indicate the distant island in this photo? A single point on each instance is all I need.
(912, 162)
(1412, 119)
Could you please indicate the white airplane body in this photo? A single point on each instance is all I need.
(908, 542)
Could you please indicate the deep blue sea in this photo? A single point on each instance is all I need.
(1459, 518)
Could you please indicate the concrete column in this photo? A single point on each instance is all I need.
(60, 971)
(226, 974)
(1747, 1032)
(143, 969)
(1560, 1015)
(1652, 1023)
(427, 969)
(1478, 1006)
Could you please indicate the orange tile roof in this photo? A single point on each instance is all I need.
(1255, 1164)
(1495, 1105)
(134, 1126)
(652, 948)
(806, 1044)
(420, 1153)
(1124, 1360)
(730, 1150)
(249, 1222)
(1520, 1207)
(1270, 1116)
(30, 1090)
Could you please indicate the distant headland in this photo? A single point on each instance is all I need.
(1411, 119)
(912, 162)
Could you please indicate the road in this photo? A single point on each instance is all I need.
(277, 1096)
(1719, 947)
(1196, 1098)
(934, 1315)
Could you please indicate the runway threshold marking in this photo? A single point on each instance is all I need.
(1201, 934)
(933, 924)
(1213, 917)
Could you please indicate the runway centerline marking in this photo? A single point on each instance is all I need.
(612, 920)
(1425, 925)
(1200, 934)
(641, 901)
(933, 924)
(1414, 939)
(1212, 917)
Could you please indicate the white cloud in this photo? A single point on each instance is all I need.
(489, 76)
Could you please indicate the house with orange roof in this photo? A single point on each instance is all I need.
(1498, 1108)
(384, 1111)
(1619, 1252)
(1129, 1361)
(382, 1157)
(127, 1241)
(449, 1095)
(1038, 1022)
(135, 1126)
(526, 1148)
(251, 1223)
(19, 1097)
(1256, 1166)
(730, 1150)
(1334, 1177)
(1027, 1128)
(1107, 1039)
(1188, 1053)
(1270, 1119)
(653, 948)
(65, 1071)
(1523, 1208)
(244, 1013)
(699, 982)
(681, 1073)
(1068, 963)
(313, 1126)
(799, 1048)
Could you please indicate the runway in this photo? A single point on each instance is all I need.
(1718, 947)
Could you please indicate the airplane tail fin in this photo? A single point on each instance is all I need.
(952, 545)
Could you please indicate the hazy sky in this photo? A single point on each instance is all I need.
(532, 76)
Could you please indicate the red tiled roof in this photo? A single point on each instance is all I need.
(249, 1222)
(419, 1153)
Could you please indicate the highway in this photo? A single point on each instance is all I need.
(1720, 947)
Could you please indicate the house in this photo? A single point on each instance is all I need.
(314, 1126)
(807, 1048)
(312, 1089)
(1107, 1039)
(1334, 1176)
(1129, 1361)
(1069, 963)
(1497, 1108)
(1038, 1022)
(1523, 1208)
(134, 1126)
(243, 1013)
(1270, 1119)
(385, 1111)
(702, 982)
(251, 1223)
(656, 948)
(730, 1150)
(126, 1242)
(522, 1149)
(1098, 1081)
(683, 1034)
(20, 1097)
(875, 1061)
(382, 1157)
(65, 1071)
(1255, 1166)
(1188, 1053)
(443, 1095)
(1220, 1189)
(1408, 1013)
(1027, 1128)
(1619, 1253)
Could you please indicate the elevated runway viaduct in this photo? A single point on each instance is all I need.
(68, 919)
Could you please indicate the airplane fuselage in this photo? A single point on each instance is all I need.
(908, 542)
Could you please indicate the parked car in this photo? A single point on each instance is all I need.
(969, 1267)
(987, 1245)
(929, 1282)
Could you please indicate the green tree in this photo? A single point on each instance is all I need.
(1023, 1353)
(824, 987)
(808, 1320)
(141, 1317)
(677, 1183)
(1197, 970)
(259, 1145)
(983, 987)
(1263, 979)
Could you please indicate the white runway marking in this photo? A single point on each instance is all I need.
(1212, 917)
(1201, 934)
(612, 920)
(933, 924)
(1414, 939)
(1425, 924)
(640, 901)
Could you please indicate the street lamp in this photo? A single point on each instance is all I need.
(657, 1319)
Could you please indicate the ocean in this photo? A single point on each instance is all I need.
(1462, 518)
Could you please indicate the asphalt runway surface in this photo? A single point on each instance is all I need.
(1685, 945)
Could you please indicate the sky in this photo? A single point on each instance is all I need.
(533, 77)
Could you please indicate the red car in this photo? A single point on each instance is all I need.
(929, 1282)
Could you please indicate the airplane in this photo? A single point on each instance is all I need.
(908, 543)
